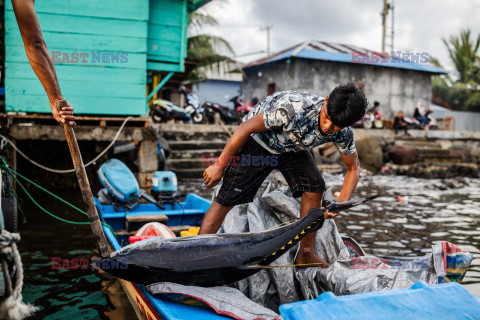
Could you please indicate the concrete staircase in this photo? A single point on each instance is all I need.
(193, 147)
(431, 151)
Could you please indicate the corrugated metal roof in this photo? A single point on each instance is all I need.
(329, 51)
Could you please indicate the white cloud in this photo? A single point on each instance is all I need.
(419, 25)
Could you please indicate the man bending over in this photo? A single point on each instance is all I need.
(283, 127)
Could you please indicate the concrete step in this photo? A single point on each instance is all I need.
(188, 154)
(419, 144)
(431, 151)
(190, 163)
(175, 131)
(196, 144)
(186, 174)
(438, 158)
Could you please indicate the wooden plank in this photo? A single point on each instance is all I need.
(83, 132)
(163, 15)
(114, 9)
(135, 61)
(83, 42)
(164, 32)
(159, 66)
(72, 24)
(111, 26)
(164, 50)
(82, 105)
(72, 88)
(78, 119)
(146, 218)
(22, 70)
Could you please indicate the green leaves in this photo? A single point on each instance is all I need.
(212, 53)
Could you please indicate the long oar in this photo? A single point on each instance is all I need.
(85, 187)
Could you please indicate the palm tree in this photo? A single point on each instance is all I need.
(210, 52)
(463, 53)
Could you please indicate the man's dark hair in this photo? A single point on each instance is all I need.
(346, 105)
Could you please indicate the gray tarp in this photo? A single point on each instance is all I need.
(272, 287)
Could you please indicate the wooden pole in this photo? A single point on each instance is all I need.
(87, 196)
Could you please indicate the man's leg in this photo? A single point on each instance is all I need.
(214, 217)
(306, 253)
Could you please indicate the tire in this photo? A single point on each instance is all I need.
(378, 124)
(367, 124)
(10, 214)
(198, 118)
(157, 118)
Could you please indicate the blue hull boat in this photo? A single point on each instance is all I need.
(418, 302)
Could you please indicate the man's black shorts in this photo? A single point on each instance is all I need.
(253, 163)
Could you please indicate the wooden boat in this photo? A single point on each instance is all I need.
(181, 217)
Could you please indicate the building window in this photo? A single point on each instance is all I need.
(271, 88)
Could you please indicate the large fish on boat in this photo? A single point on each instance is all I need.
(214, 259)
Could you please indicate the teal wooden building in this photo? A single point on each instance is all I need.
(102, 51)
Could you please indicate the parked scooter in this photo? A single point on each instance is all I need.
(163, 110)
(193, 108)
(240, 107)
(226, 114)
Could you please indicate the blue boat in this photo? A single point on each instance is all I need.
(418, 302)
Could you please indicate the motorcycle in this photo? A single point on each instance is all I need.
(193, 108)
(163, 110)
(240, 107)
(226, 114)
(372, 118)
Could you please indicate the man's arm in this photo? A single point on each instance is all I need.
(214, 173)
(351, 178)
(39, 58)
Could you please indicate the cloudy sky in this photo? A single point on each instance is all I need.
(419, 24)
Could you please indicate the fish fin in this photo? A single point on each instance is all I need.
(341, 206)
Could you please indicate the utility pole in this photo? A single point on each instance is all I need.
(387, 7)
(268, 27)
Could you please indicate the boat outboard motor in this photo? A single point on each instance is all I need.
(121, 187)
(164, 185)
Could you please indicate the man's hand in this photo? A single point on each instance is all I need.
(65, 115)
(329, 215)
(212, 175)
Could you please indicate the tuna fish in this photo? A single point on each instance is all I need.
(216, 259)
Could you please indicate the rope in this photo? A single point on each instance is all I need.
(5, 166)
(224, 127)
(13, 306)
(68, 170)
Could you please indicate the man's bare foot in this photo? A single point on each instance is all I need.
(307, 259)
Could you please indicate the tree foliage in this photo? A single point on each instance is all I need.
(209, 51)
(463, 93)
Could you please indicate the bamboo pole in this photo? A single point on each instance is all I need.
(87, 196)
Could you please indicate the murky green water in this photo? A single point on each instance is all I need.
(436, 210)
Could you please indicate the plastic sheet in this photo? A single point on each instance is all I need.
(281, 283)
(275, 286)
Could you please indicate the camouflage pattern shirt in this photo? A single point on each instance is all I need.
(292, 122)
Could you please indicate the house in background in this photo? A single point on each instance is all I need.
(220, 87)
(319, 66)
(110, 56)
